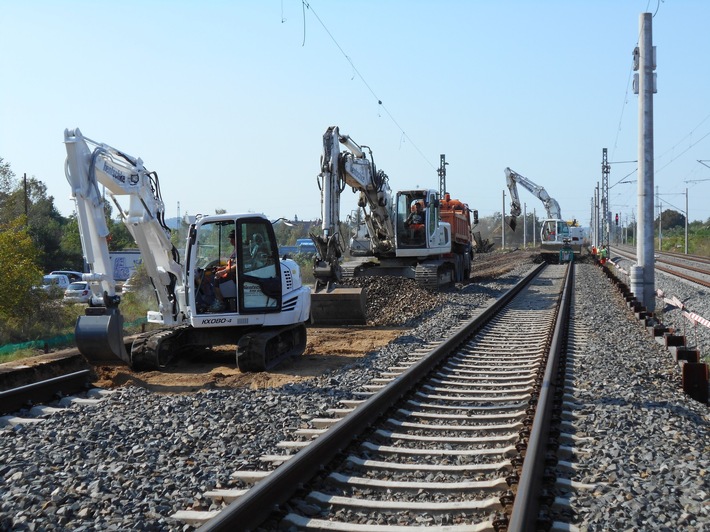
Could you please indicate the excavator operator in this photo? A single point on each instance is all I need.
(223, 274)
(416, 216)
(415, 221)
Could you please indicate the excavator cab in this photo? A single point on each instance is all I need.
(255, 285)
(554, 232)
(411, 221)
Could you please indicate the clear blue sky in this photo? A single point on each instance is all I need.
(228, 100)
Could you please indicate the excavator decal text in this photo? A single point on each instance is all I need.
(113, 172)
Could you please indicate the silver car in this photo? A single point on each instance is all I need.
(77, 292)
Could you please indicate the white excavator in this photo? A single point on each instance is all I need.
(413, 233)
(228, 288)
(554, 232)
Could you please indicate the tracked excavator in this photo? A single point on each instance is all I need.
(413, 233)
(554, 232)
(229, 287)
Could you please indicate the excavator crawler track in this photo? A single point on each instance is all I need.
(427, 275)
(266, 348)
(154, 350)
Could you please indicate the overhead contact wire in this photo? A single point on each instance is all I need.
(306, 5)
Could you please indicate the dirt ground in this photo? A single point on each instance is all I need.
(326, 349)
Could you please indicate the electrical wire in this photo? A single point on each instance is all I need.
(681, 153)
(306, 5)
(689, 134)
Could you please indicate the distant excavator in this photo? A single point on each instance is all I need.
(412, 233)
(555, 232)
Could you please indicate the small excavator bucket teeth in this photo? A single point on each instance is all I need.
(339, 306)
(99, 335)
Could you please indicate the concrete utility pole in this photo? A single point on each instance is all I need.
(24, 179)
(660, 217)
(597, 240)
(534, 228)
(502, 225)
(643, 275)
(686, 220)
(525, 226)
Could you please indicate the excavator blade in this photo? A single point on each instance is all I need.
(339, 306)
(99, 335)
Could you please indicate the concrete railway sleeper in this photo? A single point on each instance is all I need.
(456, 438)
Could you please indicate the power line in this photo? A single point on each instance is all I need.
(626, 101)
(306, 5)
(684, 151)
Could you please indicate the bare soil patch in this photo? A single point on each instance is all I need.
(327, 349)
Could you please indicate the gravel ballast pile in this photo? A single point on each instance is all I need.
(395, 301)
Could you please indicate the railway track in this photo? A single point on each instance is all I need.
(50, 389)
(140, 459)
(455, 438)
(687, 267)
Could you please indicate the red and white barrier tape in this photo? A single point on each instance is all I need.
(692, 316)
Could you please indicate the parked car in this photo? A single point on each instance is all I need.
(55, 284)
(73, 276)
(78, 292)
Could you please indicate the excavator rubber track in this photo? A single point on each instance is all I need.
(266, 348)
(154, 350)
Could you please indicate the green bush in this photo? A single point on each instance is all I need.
(44, 317)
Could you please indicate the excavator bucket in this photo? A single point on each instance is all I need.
(512, 222)
(99, 335)
(339, 306)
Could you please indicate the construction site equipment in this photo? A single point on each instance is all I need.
(554, 230)
(412, 233)
(229, 286)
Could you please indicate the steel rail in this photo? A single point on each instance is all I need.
(15, 399)
(257, 505)
(690, 258)
(527, 503)
(675, 273)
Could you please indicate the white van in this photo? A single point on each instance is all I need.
(73, 276)
(55, 284)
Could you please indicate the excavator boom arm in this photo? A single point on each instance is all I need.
(513, 179)
(352, 168)
(121, 175)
